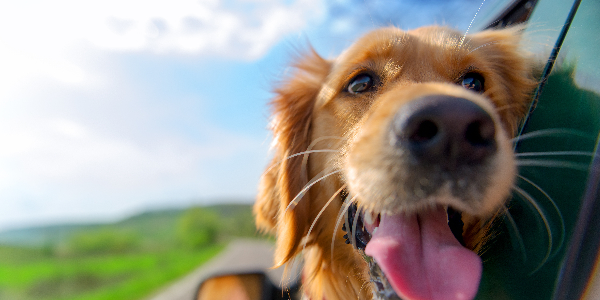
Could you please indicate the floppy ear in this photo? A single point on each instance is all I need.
(285, 178)
(505, 53)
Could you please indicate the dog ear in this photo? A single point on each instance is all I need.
(514, 66)
(285, 177)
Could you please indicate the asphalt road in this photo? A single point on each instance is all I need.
(240, 256)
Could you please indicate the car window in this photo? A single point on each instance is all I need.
(554, 156)
(582, 44)
(490, 13)
(504, 13)
(573, 101)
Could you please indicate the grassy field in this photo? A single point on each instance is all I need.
(130, 259)
(28, 274)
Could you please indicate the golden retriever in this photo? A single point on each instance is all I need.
(404, 142)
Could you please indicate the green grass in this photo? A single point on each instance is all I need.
(30, 274)
(126, 260)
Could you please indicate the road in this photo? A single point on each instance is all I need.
(240, 256)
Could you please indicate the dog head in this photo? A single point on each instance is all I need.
(413, 130)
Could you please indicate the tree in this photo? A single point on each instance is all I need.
(102, 241)
(198, 227)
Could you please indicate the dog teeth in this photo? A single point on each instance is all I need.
(371, 221)
(369, 218)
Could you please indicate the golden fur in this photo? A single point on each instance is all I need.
(312, 112)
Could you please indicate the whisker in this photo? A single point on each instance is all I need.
(556, 209)
(298, 154)
(353, 230)
(309, 148)
(288, 275)
(556, 153)
(518, 236)
(301, 194)
(550, 132)
(484, 45)
(321, 212)
(462, 40)
(337, 222)
(541, 214)
(552, 164)
(365, 286)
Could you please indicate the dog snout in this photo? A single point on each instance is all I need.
(444, 130)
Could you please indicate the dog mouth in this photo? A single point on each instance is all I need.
(415, 256)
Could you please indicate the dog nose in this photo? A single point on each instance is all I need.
(444, 130)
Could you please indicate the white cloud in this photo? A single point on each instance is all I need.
(54, 168)
(53, 39)
(197, 27)
(64, 152)
(80, 137)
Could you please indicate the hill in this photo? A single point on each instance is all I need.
(155, 224)
(127, 259)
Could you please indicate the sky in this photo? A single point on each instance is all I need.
(112, 107)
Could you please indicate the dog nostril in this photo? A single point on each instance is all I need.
(445, 131)
(480, 133)
(424, 132)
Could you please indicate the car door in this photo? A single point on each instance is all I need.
(547, 243)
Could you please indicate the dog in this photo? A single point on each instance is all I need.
(403, 144)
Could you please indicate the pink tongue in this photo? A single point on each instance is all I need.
(421, 258)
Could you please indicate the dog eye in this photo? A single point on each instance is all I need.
(360, 83)
(473, 81)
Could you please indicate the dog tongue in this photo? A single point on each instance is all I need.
(422, 259)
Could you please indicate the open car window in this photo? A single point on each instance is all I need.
(547, 246)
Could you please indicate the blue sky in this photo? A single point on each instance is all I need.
(116, 106)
